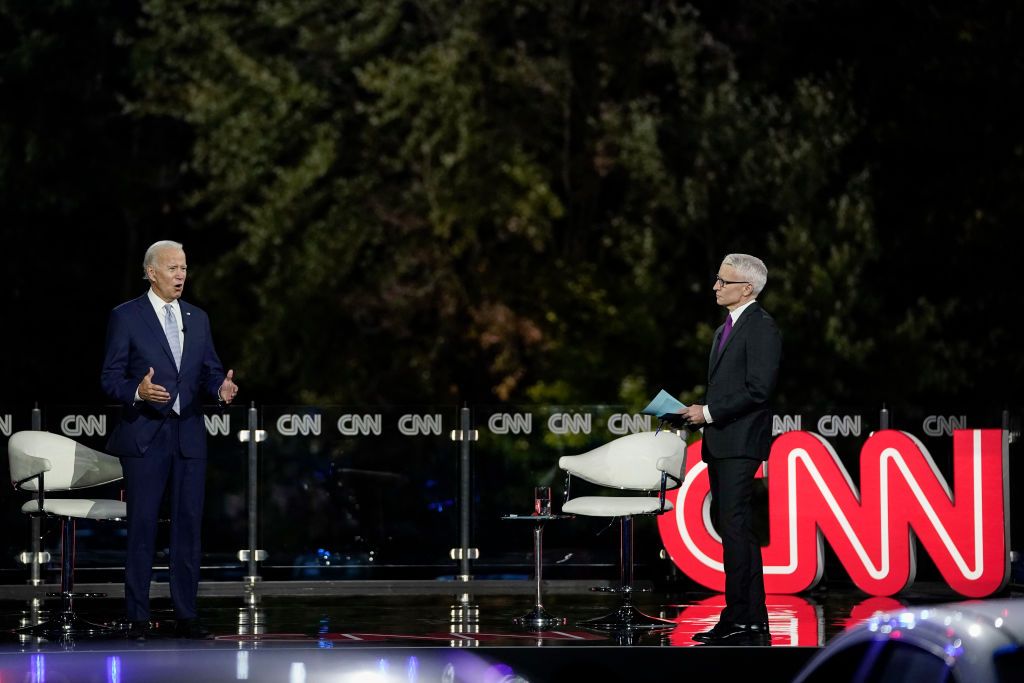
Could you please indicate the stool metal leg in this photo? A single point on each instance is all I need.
(538, 618)
(67, 625)
(626, 617)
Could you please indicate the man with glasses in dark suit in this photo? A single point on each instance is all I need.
(737, 434)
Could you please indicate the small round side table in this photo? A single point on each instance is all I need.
(538, 618)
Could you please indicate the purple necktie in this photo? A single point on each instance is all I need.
(725, 332)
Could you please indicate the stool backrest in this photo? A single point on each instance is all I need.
(65, 463)
(634, 461)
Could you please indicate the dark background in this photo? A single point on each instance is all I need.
(516, 203)
(429, 201)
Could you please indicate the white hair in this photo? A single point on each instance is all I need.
(750, 268)
(150, 258)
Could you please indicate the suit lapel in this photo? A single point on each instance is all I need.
(716, 355)
(187, 337)
(713, 360)
(155, 325)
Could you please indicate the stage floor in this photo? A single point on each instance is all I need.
(335, 631)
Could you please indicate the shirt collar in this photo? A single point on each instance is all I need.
(735, 314)
(158, 305)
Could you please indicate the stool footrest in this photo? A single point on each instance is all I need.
(621, 589)
(626, 618)
(68, 626)
(539, 619)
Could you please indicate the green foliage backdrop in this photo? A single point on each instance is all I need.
(414, 201)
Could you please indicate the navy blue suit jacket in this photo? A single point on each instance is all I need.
(135, 343)
(741, 381)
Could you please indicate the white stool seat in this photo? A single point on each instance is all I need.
(617, 506)
(82, 508)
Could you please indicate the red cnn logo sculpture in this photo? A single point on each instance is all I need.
(902, 495)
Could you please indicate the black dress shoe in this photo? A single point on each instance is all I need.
(721, 630)
(742, 639)
(191, 629)
(731, 633)
(138, 630)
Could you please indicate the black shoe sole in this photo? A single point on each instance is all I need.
(741, 640)
(737, 635)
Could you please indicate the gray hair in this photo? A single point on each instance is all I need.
(150, 258)
(750, 268)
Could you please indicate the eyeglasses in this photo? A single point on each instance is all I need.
(718, 280)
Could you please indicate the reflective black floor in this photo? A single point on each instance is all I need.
(318, 636)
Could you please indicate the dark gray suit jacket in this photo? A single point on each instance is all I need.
(741, 381)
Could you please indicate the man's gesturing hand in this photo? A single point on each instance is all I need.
(228, 388)
(152, 393)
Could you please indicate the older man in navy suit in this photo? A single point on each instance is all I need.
(159, 363)
(737, 425)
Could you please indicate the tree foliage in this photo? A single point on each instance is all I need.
(498, 200)
(419, 200)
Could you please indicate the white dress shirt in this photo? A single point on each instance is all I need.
(158, 307)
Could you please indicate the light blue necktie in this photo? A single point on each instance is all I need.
(174, 341)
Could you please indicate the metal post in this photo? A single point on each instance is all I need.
(35, 568)
(253, 576)
(465, 496)
(67, 569)
(883, 418)
(1011, 427)
(538, 559)
(626, 554)
(465, 611)
(252, 435)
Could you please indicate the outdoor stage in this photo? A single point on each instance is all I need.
(423, 631)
